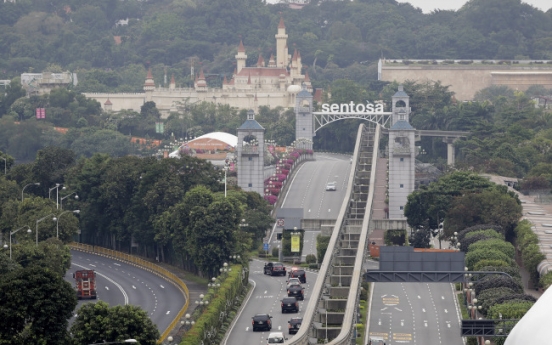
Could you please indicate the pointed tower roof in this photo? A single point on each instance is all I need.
(281, 25)
(298, 54)
(307, 79)
(172, 79)
(201, 75)
(260, 61)
(249, 78)
(149, 84)
(149, 75)
(241, 48)
(108, 102)
(224, 81)
(294, 58)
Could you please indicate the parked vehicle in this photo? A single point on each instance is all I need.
(261, 322)
(275, 269)
(85, 284)
(290, 304)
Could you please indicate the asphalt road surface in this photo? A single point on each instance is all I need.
(119, 283)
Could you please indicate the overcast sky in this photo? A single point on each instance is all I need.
(430, 5)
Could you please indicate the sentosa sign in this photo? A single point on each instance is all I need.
(352, 108)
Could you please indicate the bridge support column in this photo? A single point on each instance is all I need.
(451, 157)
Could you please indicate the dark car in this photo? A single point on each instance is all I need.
(298, 273)
(297, 291)
(290, 304)
(294, 324)
(275, 269)
(261, 322)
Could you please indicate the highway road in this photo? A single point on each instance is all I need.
(307, 191)
(119, 283)
(415, 313)
(308, 186)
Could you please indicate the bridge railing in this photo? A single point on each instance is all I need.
(148, 266)
(302, 336)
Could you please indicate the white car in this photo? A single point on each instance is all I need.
(331, 186)
(293, 281)
(276, 338)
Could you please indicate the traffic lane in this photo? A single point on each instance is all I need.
(159, 298)
(433, 305)
(391, 315)
(265, 298)
(308, 187)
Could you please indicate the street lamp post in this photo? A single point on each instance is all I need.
(58, 217)
(35, 183)
(56, 187)
(65, 197)
(13, 232)
(38, 221)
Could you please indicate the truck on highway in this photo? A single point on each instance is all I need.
(85, 284)
(275, 269)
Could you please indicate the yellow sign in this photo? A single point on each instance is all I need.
(295, 243)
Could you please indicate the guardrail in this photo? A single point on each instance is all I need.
(148, 266)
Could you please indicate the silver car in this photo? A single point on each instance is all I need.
(331, 186)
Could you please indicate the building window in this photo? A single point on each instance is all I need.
(402, 159)
(251, 185)
(250, 158)
(303, 128)
(402, 185)
(402, 208)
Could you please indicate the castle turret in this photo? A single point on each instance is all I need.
(201, 84)
(281, 44)
(172, 84)
(149, 84)
(108, 106)
(260, 61)
(307, 82)
(271, 62)
(241, 57)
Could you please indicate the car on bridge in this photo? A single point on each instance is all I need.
(331, 186)
(292, 281)
(276, 338)
(261, 322)
(290, 304)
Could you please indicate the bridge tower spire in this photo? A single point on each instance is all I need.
(402, 155)
(251, 155)
(304, 124)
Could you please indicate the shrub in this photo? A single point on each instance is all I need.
(513, 310)
(493, 281)
(490, 262)
(466, 231)
(513, 271)
(546, 280)
(321, 246)
(275, 252)
(494, 244)
(310, 259)
(473, 257)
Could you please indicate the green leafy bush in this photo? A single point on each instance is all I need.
(473, 257)
(494, 244)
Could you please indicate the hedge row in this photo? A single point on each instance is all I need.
(527, 244)
(221, 301)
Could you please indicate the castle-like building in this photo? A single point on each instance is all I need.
(273, 84)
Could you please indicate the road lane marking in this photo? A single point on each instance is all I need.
(116, 264)
(168, 312)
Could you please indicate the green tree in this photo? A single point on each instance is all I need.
(98, 322)
(35, 306)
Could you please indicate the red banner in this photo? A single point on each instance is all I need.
(40, 113)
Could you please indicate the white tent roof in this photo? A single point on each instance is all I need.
(227, 138)
(532, 329)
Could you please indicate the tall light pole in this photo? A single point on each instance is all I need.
(38, 221)
(35, 183)
(56, 187)
(13, 232)
(65, 197)
(5, 165)
(58, 217)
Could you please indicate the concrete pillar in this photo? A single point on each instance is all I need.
(450, 150)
